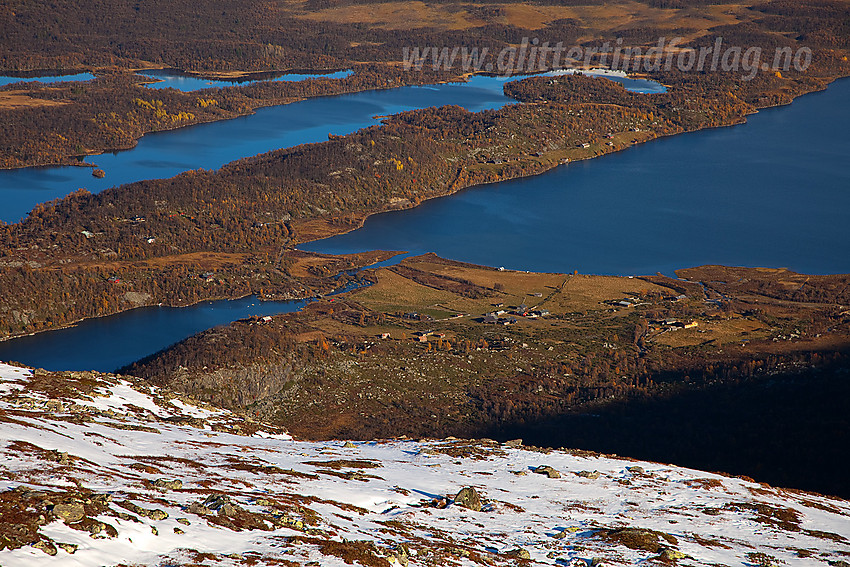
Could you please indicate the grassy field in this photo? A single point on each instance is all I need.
(560, 294)
(582, 309)
(16, 100)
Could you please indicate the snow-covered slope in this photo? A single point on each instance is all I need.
(99, 470)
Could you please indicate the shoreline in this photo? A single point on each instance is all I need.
(410, 205)
(76, 160)
(260, 298)
(451, 190)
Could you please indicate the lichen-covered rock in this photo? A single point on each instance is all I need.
(46, 546)
(154, 514)
(69, 548)
(669, 555)
(592, 475)
(60, 457)
(548, 471)
(164, 484)
(70, 512)
(468, 498)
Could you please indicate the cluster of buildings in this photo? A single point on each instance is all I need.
(496, 317)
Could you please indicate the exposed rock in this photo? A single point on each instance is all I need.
(468, 498)
(668, 554)
(60, 457)
(46, 546)
(219, 503)
(228, 510)
(349, 445)
(215, 501)
(637, 538)
(636, 470)
(548, 471)
(588, 474)
(70, 511)
(69, 548)
(164, 484)
(519, 553)
(93, 528)
(198, 508)
(153, 514)
(290, 522)
(401, 555)
(514, 443)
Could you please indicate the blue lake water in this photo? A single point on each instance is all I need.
(6, 80)
(209, 146)
(773, 192)
(108, 343)
(185, 82)
(165, 154)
